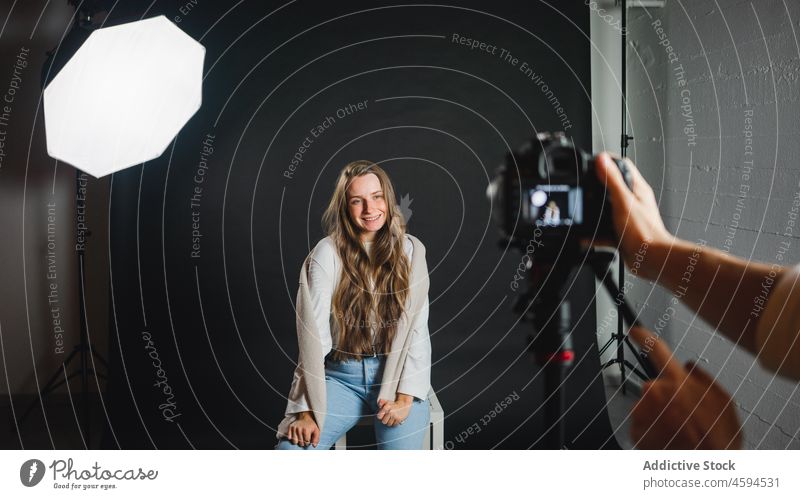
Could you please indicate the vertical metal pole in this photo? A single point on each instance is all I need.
(84, 359)
(624, 152)
(624, 32)
(84, 340)
(554, 407)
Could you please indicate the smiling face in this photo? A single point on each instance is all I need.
(366, 205)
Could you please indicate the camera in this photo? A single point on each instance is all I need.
(547, 196)
(547, 200)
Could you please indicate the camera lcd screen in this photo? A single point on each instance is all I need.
(554, 205)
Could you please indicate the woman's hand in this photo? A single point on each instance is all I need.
(637, 222)
(394, 413)
(304, 430)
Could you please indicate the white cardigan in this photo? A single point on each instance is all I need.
(407, 368)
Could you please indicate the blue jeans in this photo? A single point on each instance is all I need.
(352, 390)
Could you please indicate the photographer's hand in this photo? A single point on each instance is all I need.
(726, 291)
(682, 408)
(637, 221)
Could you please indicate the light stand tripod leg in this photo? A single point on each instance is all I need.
(621, 334)
(629, 365)
(98, 356)
(600, 263)
(48, 387)
(611, 341)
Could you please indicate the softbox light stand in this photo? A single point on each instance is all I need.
(83, 352)
(620, 338)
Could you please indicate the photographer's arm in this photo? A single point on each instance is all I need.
(724, 290)
(727, 292)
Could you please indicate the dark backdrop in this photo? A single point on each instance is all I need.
(438, 117)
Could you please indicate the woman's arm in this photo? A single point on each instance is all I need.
(320, 286)
(415, 380)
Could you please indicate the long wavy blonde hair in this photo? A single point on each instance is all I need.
(386, 265)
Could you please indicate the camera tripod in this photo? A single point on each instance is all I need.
(551, 344)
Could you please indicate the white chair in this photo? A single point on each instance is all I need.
(435, 428)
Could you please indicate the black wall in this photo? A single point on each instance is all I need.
(439, 117)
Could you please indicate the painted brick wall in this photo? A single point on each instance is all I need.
(691, 88)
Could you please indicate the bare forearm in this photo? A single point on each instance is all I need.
(727, 292)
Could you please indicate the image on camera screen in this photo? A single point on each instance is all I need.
(554, 205)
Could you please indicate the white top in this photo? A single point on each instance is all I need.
(323, 277)
(778, 329)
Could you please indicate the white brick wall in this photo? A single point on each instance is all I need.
(698, 198)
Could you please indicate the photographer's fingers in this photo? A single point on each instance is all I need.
(694, 370)
(639, 185)
(641, 188)
(643, 414)
(658, 352)
(705, 380)
(611, 176)
(315, 436)
(726, 430)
